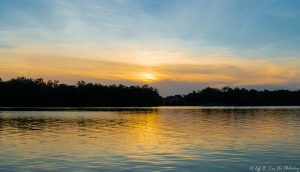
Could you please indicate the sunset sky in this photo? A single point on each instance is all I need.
(175, 46)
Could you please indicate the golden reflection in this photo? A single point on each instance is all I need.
(156, 137)
(157, 131)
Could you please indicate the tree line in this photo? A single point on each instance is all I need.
(241, 97)
(24, 92)
(27, 92)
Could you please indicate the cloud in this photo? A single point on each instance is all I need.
(176, 43)
(71, 63)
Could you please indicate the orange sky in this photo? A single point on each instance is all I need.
(158, 43)
(74, 64)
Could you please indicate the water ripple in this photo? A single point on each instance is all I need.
(157, 139)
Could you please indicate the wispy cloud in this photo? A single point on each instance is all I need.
(216, 71)
(211, 43)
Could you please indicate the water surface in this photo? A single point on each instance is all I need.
(150, 139)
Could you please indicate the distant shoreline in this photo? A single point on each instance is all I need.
(26, 93)
(139, 108)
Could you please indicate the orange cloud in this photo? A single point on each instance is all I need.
(91, 63)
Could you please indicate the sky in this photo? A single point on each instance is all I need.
(176, 46)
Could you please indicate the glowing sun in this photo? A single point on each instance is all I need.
(148, 76)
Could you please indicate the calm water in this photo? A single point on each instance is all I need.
(150, 139)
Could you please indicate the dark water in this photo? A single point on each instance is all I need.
(151, 139)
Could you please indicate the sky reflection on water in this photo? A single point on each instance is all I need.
(157, 139)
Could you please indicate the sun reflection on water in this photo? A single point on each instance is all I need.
(153, 139)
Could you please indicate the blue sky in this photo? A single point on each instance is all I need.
(181, 44)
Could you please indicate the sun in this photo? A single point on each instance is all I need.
(148, 76)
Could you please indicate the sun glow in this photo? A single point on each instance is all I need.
(148, 76)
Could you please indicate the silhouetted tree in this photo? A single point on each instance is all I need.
(241, 97)
(35, 92)
(26, 92)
